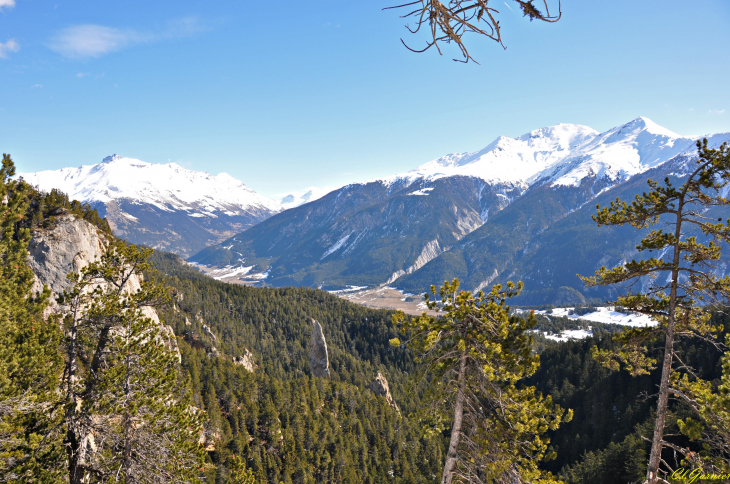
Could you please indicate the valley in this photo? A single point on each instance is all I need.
(430, 242)
(284, 323)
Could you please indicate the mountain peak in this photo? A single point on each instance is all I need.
(111, 158)
(168, 187)
(645, 124)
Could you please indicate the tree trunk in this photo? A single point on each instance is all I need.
(451, 456)
(127, 417)
(652, 472)
(72, 441)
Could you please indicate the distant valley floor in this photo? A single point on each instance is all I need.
(371, 297)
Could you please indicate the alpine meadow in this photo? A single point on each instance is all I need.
(238, 248)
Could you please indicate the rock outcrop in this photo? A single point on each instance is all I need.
(209, 333)
(69, 247)
(245, 361)
(319, 362)
(380, 387)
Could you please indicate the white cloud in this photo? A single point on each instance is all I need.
(7, 4)
(39, 86)
(9, 46)
(87, 41)
(716, 111)
(81, 74)
(93, 40)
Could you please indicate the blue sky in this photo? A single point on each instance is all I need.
(322, 93)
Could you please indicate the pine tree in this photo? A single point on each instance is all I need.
(680, 284)
(711, 404)
(29, 359)
(476, 356)
(239, 474)
(129, 416)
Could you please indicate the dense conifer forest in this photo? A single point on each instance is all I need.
(289, 425)
(292, 427)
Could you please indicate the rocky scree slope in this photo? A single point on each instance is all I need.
(466, 215)
(162, 206)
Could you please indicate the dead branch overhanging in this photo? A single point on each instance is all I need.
(451, 21)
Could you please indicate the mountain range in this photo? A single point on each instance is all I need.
(162, 206)
(518, 209)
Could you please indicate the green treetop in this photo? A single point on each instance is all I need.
(475, 357)
(29, 359)
(680, 282)
(129, 416)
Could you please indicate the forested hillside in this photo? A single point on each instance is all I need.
(289, 425)
(603, 443)
(296, 428)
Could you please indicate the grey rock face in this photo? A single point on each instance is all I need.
(207, 331)
(69, 247)
(245, 361)
(319, 362)
(380, 387)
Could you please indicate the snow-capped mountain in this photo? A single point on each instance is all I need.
(467, 215)
(167, 187)
(164, 206)
(563, 154)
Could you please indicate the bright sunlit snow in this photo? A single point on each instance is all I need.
(294, 199)
(568, 334)
(168, 187)
(605, 315)
(563, 154)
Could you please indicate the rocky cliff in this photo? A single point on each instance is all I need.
(318, 358)
(69, 247)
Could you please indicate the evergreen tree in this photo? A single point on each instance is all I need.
(29, 359)
(711, 403)
(129, 418)
(239, 474)
(679, 284)
(476, 356)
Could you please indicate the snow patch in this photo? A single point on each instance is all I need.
(422, 191)
(229, 271)
(336, 246)
(348, 289)
(568, 334)
(607, 315)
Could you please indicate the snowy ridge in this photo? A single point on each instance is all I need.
(169, 187)
(563, 155)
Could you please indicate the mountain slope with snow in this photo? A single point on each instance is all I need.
(163, 206)
(563, 154)
(476, 216)
(168, 187)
